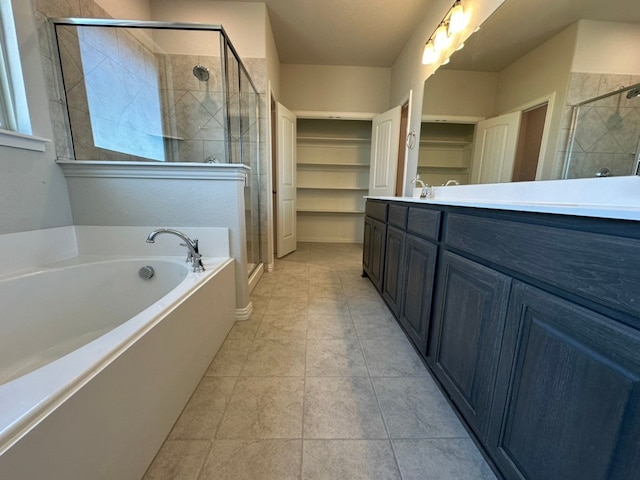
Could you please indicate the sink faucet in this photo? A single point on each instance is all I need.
(193, 257)
(452, 182)
(426, 191)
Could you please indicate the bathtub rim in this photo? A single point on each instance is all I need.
(60, 379)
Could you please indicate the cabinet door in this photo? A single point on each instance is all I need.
(469, 319)
(374, 250)
(567, 401)
(366, 246)
(393, 269)
(419, 273)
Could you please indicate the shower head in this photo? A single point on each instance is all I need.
(201, 73)
(634, 92)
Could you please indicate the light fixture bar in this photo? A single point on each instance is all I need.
(454, 22)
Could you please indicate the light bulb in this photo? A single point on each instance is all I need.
(446, 60)
(457, 19)
(460, 47)
(429, 55)
(441, 38)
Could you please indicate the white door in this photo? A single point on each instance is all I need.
(286, 181)
(385, 140)
(495, 148)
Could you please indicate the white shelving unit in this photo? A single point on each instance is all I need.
(332, 179)
(445, 152)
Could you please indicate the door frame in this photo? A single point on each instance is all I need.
(544, 142)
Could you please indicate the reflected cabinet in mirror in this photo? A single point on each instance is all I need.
(546, 89)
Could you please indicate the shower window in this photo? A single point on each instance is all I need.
(144, 94)
(605, 135)
(14, 111)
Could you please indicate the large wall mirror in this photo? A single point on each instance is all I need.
(546, 89)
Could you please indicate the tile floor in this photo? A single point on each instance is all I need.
(320, 383)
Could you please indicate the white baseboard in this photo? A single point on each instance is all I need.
(244, 313)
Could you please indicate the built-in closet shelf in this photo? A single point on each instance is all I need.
(443, 167)
(444, 143)
(330, 212)
(336, 188)
(332, 171)
(332, 140)
(325, 165)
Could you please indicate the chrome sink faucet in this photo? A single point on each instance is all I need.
(193, 257)
(426, 191)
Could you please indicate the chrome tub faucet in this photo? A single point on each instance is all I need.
(193, 257)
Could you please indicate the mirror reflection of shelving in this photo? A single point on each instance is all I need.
(445, 153)
(332, 179)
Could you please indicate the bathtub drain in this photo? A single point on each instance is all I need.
(146, 272)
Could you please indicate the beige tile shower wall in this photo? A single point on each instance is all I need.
(192, 111)
(609, 129)
(60, 9)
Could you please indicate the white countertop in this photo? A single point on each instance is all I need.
(611, 197)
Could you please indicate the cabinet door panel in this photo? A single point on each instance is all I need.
(393, 269)
(419, 273)
(373, 250)
(468, 326)
(568, 401)
(366, 246)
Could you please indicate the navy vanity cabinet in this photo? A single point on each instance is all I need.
(394, 256)
(392, 285)
(374, 242)
(419, 267)
(531, 324)
(567, 402)
(468, 325)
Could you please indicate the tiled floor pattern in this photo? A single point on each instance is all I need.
(320, 383)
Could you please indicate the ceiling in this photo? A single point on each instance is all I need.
(373, 32)
(343, 32)
(518, 26)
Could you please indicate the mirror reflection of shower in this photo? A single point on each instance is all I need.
(605, 135)
(201, 73)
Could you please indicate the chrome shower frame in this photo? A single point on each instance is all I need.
(575, 110)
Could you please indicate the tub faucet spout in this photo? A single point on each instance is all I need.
(193, 257)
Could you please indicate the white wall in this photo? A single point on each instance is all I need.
(243, 22)
(541, 73)
(607, 47)
(460, 93)
(335, 88)
(408, 73)
(33, 193)
(273, 59)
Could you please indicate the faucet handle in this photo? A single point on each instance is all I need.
(189, 254)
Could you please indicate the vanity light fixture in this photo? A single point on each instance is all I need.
(457, 18)
(441, 38)
(429, 55)
(454, 22)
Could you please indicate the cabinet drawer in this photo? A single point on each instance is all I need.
(424, 222)
(377, 210)
(398, 216)
(601, 268)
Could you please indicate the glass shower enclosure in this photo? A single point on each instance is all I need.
(604, 138)
(163, 93)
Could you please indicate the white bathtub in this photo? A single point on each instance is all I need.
(96, 364)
